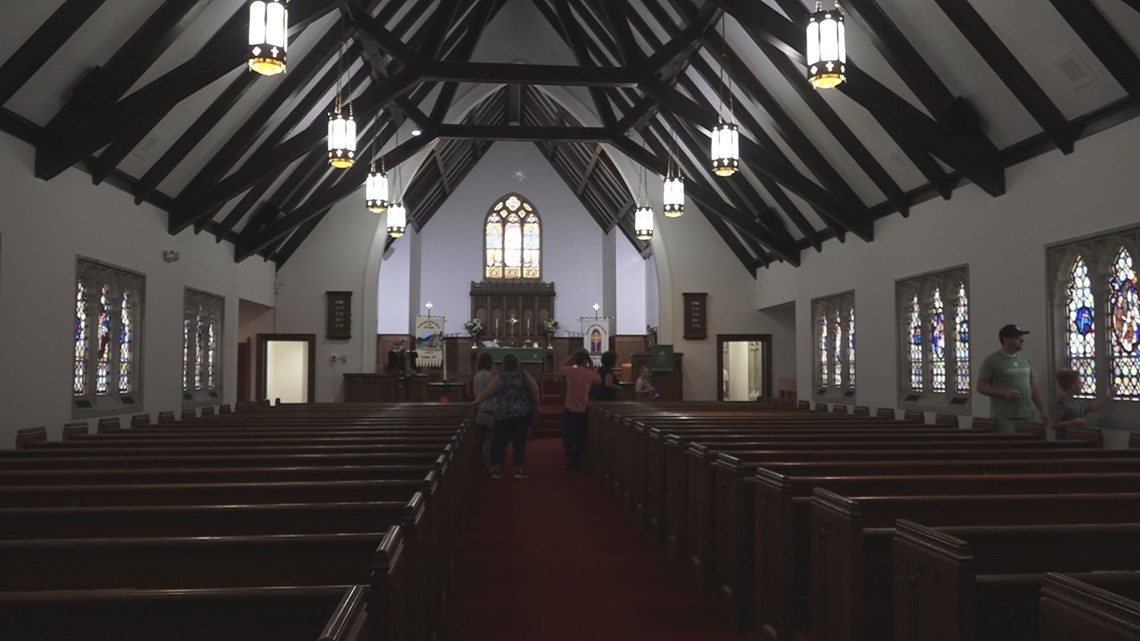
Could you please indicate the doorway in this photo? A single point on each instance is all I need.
(744, 367)
(286, 368)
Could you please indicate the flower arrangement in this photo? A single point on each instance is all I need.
(549, 326)
(474, 327)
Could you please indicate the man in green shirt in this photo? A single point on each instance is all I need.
(1007, 378)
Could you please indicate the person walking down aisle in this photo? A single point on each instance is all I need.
(1007, 378)
(580, 375)
(516, 396)
(485, 411)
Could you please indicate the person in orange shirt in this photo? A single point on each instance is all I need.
(580, 375)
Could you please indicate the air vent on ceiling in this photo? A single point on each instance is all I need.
(899, 161)
(1071, 71)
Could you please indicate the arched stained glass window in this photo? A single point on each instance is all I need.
(199, 348)
(962, 339)
(1124, 341)
(103, 358)
(837, 375)
(512, 240)
(851, 346)
(937, 342)
(79, 373)
(126, 339)
(186, 360)
(823, 349)
(915, 345)
(1080, 334)
(202, 322)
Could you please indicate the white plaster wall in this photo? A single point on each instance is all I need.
(43, 227)
(631, 287)
(393, 291)
(452, 250)
(1049, 199)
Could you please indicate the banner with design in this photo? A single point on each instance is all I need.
(595, 336)
(429, 341)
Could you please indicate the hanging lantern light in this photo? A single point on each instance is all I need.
(725, 136)
(725, 148)
(643, 223)
(674, 194)
(342, 136)
(397, 219)
(826, 48)
(268, 36)
(376, 190)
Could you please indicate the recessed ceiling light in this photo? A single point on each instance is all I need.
(416, 132)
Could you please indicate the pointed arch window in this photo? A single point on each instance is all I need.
(834, 323)
(1095, 319)
(512, 240)
(934, 346)
(106, 363)
(203, 318)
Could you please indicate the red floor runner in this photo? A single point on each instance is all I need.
(552, 558)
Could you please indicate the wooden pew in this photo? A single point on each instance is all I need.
(1072, 609)
(945, 575)
(782, 524)
(29, 436)
(851, 545)
(317, 613)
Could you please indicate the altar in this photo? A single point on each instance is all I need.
(524, 354)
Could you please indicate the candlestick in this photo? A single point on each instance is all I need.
(528, 327)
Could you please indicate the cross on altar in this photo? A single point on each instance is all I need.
(513, 321)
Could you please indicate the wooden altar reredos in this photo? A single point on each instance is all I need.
(496, 302)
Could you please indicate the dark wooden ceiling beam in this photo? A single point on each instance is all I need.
(533, 74)
(43, 43)
(965, 149)
(373, 30)
(447, 188)
(1005, 65)
(72, 140)
(685, 42)
(1106, 43)
(572, 33)
(594, 157)
(616, 17)
(522, 133)
(474, 29)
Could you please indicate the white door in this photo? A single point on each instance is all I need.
(287, 371)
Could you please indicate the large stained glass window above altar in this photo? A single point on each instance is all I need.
(512, 240)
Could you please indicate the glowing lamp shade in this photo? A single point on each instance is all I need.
(342, 139)
(397, 219)
(674, 196)
(643, 223)
(376, 191)
(725, 149)
(826, 49)
(268, 36)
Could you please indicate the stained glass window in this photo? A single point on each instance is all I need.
(79, 373)
(915, 345)
(1124, 339)
(202, 324)
(1080, 335)
(512, 236)
(933, 323)
(962, 339)
(823, 349)
(834, 320)
(937, 343)
(108, 313)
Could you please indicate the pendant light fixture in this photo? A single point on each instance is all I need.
(674, 186)
(397, 215)
(643, 215)
(725, 136)
(376, 185)
(826, 47)
(342, 126)
(268, 36)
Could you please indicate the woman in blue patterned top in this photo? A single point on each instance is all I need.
(516, 397)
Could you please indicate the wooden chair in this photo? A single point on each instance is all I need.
(189, 414)
(885, 412)
(862, 410)
(165, 417)
(914, 417)
(109, 424)
(71, 430)
(950, 420)
(29, 435)
(140, 420)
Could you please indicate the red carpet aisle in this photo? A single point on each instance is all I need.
(551, 558)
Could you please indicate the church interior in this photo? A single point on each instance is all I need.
(855, 265)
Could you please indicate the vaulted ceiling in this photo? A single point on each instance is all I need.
(154, 98)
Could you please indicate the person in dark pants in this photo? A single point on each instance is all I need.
(580, 375)
(516, 397)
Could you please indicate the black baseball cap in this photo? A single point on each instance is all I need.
(1009, 331)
